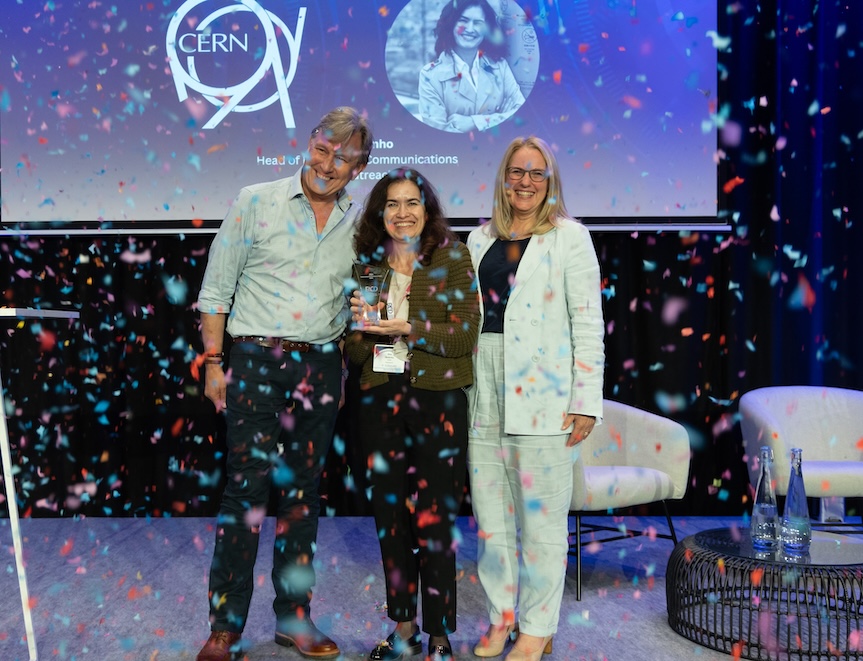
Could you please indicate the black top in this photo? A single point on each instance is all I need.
(496, 277)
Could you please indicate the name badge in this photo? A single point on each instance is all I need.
(385, 360)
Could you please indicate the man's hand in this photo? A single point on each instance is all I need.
(216, 386)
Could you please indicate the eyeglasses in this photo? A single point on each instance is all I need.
(517, 174)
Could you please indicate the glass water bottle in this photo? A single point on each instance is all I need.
(764, 526)
(796, 529)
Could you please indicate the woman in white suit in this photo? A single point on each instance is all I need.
(469, 86)
(537, 394)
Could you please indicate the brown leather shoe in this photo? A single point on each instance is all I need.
(308, 640)
(218, 647)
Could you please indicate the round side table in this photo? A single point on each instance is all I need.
(725, 595)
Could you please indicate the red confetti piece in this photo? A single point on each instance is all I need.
(756, 576)
(47, 340)
(427, 518)
(730, 185)
(804, 296)
(195, 367)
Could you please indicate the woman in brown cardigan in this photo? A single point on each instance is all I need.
(412, 424)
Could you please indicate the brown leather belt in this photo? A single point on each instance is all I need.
(287, 346)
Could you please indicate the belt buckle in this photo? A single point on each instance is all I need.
(289, 346)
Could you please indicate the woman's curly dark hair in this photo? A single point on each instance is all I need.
(492, 46)
(371, 241)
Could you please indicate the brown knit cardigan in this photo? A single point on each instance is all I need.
(444, 318)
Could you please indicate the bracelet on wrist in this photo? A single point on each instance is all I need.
(215, 354)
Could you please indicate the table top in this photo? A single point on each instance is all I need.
(826, 550)
(36, 313)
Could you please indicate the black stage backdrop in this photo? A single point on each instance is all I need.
(107, 417)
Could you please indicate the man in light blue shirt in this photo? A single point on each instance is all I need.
(275, 281)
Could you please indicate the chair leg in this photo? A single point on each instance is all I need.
(578, 557)
(671, 530)
(670, 523)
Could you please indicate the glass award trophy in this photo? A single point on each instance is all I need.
(373, 282)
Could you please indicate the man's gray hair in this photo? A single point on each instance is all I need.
(339, 124)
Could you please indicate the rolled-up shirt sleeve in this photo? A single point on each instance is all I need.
(227, 258)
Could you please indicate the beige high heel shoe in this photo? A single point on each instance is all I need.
(530, 650)
(493, 642)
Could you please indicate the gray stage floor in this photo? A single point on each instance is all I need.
(130, 589)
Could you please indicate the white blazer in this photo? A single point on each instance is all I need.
(444, 92)
(554, 354)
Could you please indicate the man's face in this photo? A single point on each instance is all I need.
(330, 166)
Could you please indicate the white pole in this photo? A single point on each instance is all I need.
(12, 502)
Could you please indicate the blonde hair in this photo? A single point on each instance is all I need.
(552, 208)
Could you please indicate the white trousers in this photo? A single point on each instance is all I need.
(521, 488)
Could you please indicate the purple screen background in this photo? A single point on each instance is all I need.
(92, 129)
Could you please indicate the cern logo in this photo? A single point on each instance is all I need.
(190, 38)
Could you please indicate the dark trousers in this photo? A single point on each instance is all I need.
(281, 411)
(416, 444)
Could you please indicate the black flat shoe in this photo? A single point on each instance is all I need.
(396, 647)
(440, 653)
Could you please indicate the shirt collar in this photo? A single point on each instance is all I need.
(461, 65)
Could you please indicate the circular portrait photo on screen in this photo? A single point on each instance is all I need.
(462, 65)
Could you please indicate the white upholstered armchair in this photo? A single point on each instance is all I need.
(826, 423)
(633, 458)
